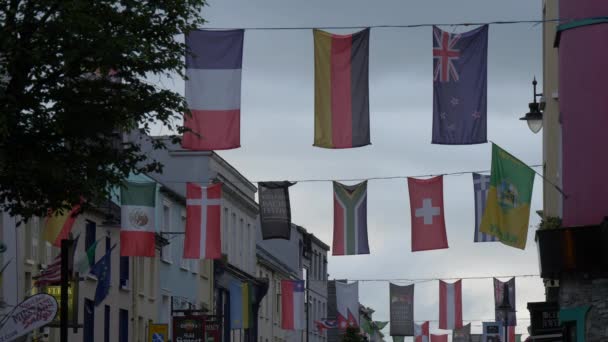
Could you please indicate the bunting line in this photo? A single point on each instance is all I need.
(421, 280)
(313, 180)
(497, 22)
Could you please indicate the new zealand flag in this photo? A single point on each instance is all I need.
(460, 78)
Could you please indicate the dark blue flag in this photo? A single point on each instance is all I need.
(102, 270)
(460, 78)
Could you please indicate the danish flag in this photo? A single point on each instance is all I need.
(203, 222)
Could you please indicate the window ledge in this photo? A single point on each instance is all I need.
(125, 288)
(167, 261)
(91, 277)
(29, 262)
(141, 294)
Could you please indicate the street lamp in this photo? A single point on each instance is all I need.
(534, 117)
(505, 307)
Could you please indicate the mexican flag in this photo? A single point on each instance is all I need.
(85, 261)
(137, 234)
(508, 205)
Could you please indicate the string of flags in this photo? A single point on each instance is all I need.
(401, 309)
(502, 209)
(501, 201)
(341, 77)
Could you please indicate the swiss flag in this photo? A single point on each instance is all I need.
(203, 222)
(426, 206)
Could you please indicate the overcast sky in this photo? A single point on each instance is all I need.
(277, 136)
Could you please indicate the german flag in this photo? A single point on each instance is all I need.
(341, 89)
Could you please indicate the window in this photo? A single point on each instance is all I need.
(278, 291)
(31, 240)
(250, 256)
(124, 272)
(225, 232)
(233, 239)
(89, 237)
(183, 263)
(123, 326)
(243, 238)
(49, 252)
(152, 282)
(88, 331)
(166, 227)
(141, 331)
(106, 324)
(140, 274)
(205, 266)
(35, 229)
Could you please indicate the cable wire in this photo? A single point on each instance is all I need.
(422, 280)
(312, 180)
(497, 22)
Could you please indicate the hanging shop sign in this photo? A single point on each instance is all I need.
(55, 292)
(188, 328)
(212, 329)
(33, 313)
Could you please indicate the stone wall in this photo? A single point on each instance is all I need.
(575, 291)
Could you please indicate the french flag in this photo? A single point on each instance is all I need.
(292, 304)
(450, 305)
(213, 90)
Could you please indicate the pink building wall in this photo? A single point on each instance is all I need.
(583, 97)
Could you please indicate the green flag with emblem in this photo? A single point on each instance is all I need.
(508, 205)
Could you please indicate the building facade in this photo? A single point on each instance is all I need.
(574, 229)
(239, 223)
(316, 275)
(302, 257)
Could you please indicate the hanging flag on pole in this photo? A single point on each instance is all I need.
(499, 297)
(292, 305)
(460, 86)
(241, 312)
(421, 332)
(103, 271)
(481, 184)
(275, 210)
(401, 310)
(426, 207)
(59, 224)
(347, 304)
(83, 265)
(439, 338)
(203, 222)
(507, 211)
(341, 89)
(213, 89)
(350, 219)
(450, 305)
(325, 324)
(137, 234)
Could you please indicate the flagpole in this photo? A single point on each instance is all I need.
(63, 313)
